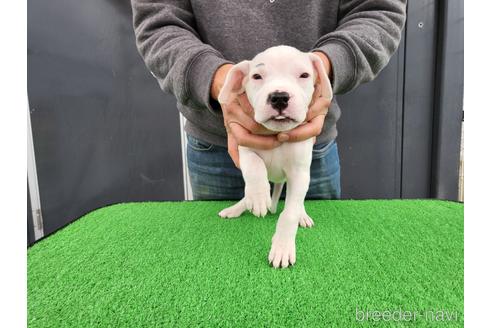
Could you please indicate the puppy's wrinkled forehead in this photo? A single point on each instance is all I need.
(281, 60)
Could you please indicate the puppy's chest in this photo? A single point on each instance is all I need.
(276, 167)
(288, 157)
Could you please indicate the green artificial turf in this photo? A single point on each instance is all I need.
(177, 264)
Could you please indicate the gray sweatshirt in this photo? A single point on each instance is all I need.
(183, 42)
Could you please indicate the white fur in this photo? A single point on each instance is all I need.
(280, 68)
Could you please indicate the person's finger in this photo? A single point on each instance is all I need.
(261, 130)
(319, 107)
(245, 104)
(234, 113)
(249, 122)
(311, 129)
(233, 150)
(316, 94)
(245, 138)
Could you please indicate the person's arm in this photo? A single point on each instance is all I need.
(368, 33)
(172, 50)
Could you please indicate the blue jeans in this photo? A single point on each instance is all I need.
(214, 176)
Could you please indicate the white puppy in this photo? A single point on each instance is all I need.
(279, 84)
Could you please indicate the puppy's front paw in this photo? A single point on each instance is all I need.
(258, 200)
(283, 251)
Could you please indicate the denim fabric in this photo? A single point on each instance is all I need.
(214, 176)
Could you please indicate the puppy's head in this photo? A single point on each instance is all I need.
(279, 84)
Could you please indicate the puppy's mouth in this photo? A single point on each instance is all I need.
(282, 119)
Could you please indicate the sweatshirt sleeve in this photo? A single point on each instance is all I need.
(166, 38)
(368, 33)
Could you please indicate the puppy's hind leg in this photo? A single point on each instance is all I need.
(277, 191)
(234, 211)
(305, 220)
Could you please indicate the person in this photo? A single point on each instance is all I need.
(190, 45)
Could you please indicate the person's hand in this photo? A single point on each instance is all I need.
(219, 79)
(240, 125)
(315, 117)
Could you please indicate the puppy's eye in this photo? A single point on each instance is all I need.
(304, 75)
(257, 77)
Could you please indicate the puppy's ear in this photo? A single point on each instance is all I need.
(324, 81)
(234, 82)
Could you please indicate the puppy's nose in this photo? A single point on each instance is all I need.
(279, 100)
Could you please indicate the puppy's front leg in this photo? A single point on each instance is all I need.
(283, 251)
(257, 197)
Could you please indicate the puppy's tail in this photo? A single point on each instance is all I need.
(277, 191)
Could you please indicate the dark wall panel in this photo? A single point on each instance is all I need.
(449, 101)
(369, 135)
(103, 130)
(420, 61)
